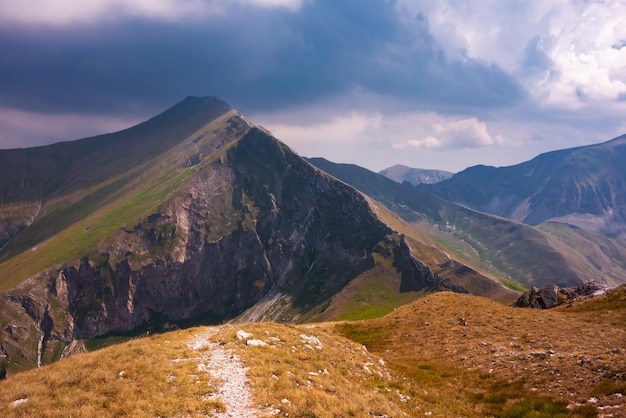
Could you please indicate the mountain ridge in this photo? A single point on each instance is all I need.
(582, 186)
(519, 252)
(226, 218)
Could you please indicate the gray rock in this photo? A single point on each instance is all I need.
(551, 295)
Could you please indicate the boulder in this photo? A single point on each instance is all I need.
(551, 295)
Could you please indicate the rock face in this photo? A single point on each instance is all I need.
(551, 296)
(250, 220)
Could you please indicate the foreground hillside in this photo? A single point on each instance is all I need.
(443, 355)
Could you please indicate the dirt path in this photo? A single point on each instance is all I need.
(234, 392)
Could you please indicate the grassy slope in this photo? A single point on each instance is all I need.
(498, 364)
(503, 357)
(606, 254)
(81, 217)
(376, 292)
(497, 246)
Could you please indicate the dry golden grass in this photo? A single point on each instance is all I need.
(159, 376)
(444, 355)
(137, 378)
(502, 358)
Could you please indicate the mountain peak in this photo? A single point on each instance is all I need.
(204, 100)
(401, 173)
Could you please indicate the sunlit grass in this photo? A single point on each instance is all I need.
(418, 360)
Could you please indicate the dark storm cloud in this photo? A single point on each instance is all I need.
(255, 58)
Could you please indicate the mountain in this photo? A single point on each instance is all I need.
(444, 355)
(584, 187)
(496, 246)
(415, 176)
(194, 215)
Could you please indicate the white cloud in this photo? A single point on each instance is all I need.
(582, 42)
(449, 133)
(68, 12)
(428, 142)
(589, 67)
(289, 4)
(344, 128)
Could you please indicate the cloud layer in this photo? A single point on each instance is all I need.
(395, 77)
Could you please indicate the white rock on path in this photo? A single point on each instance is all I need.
(242, 335)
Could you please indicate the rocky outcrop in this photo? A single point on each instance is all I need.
(416, 275)
(551, 296)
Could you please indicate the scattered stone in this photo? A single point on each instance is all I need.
(121, 374)
(18, 402)
(403, 397)
(256, 343)
(274, 377)
(367, 368)
(311, 340)
(285, 401)
(242, 335)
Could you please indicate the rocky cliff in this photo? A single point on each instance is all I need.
(224, 221)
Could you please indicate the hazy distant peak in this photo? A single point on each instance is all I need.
(402, 173)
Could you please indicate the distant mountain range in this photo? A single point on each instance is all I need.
(503, 247)
(415, 176)
(583, 187)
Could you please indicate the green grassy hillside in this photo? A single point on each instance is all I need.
(518, 253)
(104, 184)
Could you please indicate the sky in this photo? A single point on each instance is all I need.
(432, 84)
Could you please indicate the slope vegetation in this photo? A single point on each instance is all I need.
(444, 355)
(497, 246)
